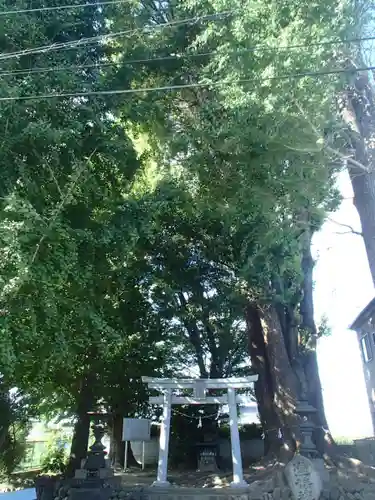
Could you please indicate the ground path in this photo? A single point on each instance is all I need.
(28, 494)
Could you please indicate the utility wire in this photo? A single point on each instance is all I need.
(62, 7)
(49, 69)
(53, 69)
(109, 36)
(184, 86)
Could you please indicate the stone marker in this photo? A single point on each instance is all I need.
(303, 479)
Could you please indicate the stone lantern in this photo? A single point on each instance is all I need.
(305, 411)
(307, 447)
(95, 479)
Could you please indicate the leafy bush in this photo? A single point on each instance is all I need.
(54, 461)
(14, 428)
(186, 432)
(249, 431)
(13, 449)
(56, 457)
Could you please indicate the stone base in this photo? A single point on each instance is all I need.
(319, 465)
(80, 474)
(173, 493)
(106, 473)
(98, 482)
(160, 484)
(45, 487)
(207, 465)
(209, 469)
(90, 494)
(242, 484)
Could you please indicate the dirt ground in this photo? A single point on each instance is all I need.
(199, 479)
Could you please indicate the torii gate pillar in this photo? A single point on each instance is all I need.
(165, 430)
(199, 387)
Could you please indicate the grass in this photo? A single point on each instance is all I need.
(343, 440)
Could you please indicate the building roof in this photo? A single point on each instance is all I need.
(364, 315)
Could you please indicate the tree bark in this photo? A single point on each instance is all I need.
(323, 439)
(363, 184)
(288, 370)
(194, 337)
(264, 390)
(284, 379)
(5, 415)
(79, 446)
(277, 390)
(117, 444)
(358, 114)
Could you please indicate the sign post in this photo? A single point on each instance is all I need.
(126, 456)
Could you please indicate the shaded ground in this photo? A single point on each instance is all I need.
(199, 479)
(19, 481)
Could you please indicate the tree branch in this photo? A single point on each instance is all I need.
(338, 153)
(347, 226)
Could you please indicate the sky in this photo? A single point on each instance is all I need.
(343, 287)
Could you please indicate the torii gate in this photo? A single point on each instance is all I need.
(199, 387)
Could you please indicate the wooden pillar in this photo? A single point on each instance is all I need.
(238, 480)
(165, 428)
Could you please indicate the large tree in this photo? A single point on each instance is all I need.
(67, 164)
(98, 262)
(243, 143)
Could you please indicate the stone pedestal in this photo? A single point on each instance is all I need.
(320, 467)
(90, 494)
(94, 488)
(45, 487)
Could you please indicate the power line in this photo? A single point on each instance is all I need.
(322, 73)
(49, 69)
(62, 7)
(109, 36)
(184, 86)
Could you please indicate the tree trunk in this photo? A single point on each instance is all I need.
(5, 415)
(287, 369)
(264, 390)
(312, 380)
(323, 439)
(363, 184)
(118, 450)
(117, 455)
(194, 337)
(284, 379)
(358, 114)
(78, 450)
(131, 460)
(277, 390)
